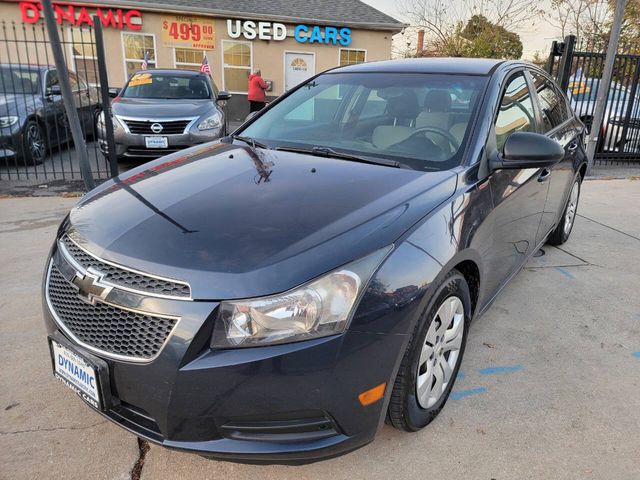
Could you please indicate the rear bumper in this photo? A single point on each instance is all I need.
(294, 403)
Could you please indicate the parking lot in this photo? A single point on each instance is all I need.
(550, 383)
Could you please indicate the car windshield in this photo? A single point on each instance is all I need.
(14, 79)
(419, 120)
(167, 86)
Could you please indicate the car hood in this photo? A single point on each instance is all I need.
(158, 109)
(236, 223)
(14, 104)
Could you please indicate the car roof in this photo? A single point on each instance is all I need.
(26, 66)
(166, 71)
(462, 66)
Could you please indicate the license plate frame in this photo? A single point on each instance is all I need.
(156, 142)
(98, 399)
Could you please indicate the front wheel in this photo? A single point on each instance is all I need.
(432, 359)
(34, 143)
(565, 225)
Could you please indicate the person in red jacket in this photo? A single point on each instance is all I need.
(256, 96)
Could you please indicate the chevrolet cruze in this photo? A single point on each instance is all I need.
(280, 294)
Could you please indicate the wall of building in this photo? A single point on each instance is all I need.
(267, 55)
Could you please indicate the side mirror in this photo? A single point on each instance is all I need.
(528, 150)
(223, 96)
(114, 92)
(250, 116)
(54, 90)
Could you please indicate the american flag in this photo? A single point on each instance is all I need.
(204, 68)
(145, 61)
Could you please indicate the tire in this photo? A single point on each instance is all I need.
(412, 407)
(565, 225)
(34, 143)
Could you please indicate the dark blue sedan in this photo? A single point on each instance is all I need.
(277, 295)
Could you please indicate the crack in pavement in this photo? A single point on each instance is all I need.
(35, 430)
(609, 227)
(143, 449)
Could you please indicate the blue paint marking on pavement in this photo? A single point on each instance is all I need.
(460, 375)
(636, 354)
(505, 369)
(467, 393)
(565, 273)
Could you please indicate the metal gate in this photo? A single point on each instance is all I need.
(35, 138)
(578, 70)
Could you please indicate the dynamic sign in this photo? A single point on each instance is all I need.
(188, 32)
(278, 31)
(79, 15)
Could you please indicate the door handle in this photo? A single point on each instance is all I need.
(544, 175)
(573, 147)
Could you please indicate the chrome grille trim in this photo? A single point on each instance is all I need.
(138, 121)
(99, 351)
(96, 261)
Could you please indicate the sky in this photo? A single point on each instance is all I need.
(534, 38)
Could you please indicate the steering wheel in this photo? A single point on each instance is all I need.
(453, 141)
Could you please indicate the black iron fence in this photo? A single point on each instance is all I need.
(578, 69)
(35, 139)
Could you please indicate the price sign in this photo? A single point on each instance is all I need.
(188, 32)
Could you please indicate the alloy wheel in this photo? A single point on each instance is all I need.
(440, 353)
(572, 207)
(35, 142)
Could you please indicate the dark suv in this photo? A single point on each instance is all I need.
(277, 295)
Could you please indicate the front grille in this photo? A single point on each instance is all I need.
(126, 278)
(143, 127)
(105, 327)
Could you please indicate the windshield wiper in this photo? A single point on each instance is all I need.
(250, 141)
(331, 153)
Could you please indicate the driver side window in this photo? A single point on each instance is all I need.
(516, 111)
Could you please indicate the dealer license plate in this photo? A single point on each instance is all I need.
(76, 373)
(156, 142)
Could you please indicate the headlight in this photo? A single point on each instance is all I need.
(214, 121)
(114, 121)
(8, 121)
(319, 308)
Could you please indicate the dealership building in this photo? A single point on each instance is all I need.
(288, 40)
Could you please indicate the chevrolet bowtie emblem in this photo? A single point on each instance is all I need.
(90, 288)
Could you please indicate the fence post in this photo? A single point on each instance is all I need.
(605, 82)
(67, 95)
(632, 98)
(104, 93)
(564, 70)
(553, 53)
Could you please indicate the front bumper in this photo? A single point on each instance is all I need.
(292, 403)
(10, 142)
(130, 145)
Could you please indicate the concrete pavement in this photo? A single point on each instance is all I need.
(550, 384)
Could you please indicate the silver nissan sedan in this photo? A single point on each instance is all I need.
(162, 111)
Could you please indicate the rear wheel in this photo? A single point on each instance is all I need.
(34, 143)
(565, 225)
(432, 359)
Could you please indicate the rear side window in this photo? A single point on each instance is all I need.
(553, 106)
(516, 111)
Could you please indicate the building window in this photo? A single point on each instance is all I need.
(84, 56)
(188, 58)
(135, 45)
(237, 61)
(350, 56)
